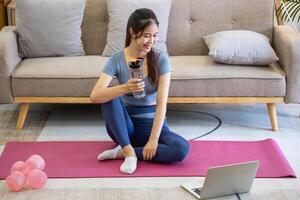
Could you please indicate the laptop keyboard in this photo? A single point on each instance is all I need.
(197, 190)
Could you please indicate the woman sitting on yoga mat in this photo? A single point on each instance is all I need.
(138, 125)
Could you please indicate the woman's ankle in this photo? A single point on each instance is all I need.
(120, 154)
(128, 151)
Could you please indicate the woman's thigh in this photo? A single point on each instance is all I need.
(142, 130)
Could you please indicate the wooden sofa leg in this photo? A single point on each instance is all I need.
(273, 116)
(24, 107)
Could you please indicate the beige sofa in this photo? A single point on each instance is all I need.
(195, 77)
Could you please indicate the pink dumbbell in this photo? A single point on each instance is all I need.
(33, 162)
(20, 166)
(31, 170)
(15, 181)
(17, 166)
(36, 179)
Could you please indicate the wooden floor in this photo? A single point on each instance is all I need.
(144, 194)
(239, 122)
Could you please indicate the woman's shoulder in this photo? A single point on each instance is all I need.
(163, 62)
(161, 55)
(117, 55)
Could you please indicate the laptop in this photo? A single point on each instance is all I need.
(225, 180)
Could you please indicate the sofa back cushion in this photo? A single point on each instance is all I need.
(94, 27)
(119, 12)
(49, 27)
(240, 47)
(189, 21)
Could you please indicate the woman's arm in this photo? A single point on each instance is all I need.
(160, 113)
(161, 105)
(102, 93)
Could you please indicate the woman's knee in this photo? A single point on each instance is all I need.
(111, 105)
(183, 149)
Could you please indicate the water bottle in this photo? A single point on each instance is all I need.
(136, 68)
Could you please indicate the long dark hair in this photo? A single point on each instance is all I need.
(138, 21)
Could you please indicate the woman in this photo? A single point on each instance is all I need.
(138, 125)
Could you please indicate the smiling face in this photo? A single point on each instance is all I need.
(144, 41)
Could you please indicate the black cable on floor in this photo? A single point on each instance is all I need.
(219, 124)
(205, 134)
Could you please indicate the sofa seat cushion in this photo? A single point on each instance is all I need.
(60, 67)
(57, 76)
(191, 76)
(201, 76)
(203, 67)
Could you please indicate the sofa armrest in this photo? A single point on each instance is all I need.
(287, 46)
(9, 59)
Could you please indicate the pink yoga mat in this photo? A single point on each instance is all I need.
(78, 159)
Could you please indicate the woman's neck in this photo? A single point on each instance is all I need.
(133, 53)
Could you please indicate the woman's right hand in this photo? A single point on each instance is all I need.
(135, 85)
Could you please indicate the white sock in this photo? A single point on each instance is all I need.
(109, 154)
(129, 165)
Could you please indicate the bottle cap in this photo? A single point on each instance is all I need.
(135, 64)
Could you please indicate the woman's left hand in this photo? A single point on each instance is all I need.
(150, 149)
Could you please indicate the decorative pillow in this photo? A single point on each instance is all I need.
(49, 27)
(119, 12)
(240, 47)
